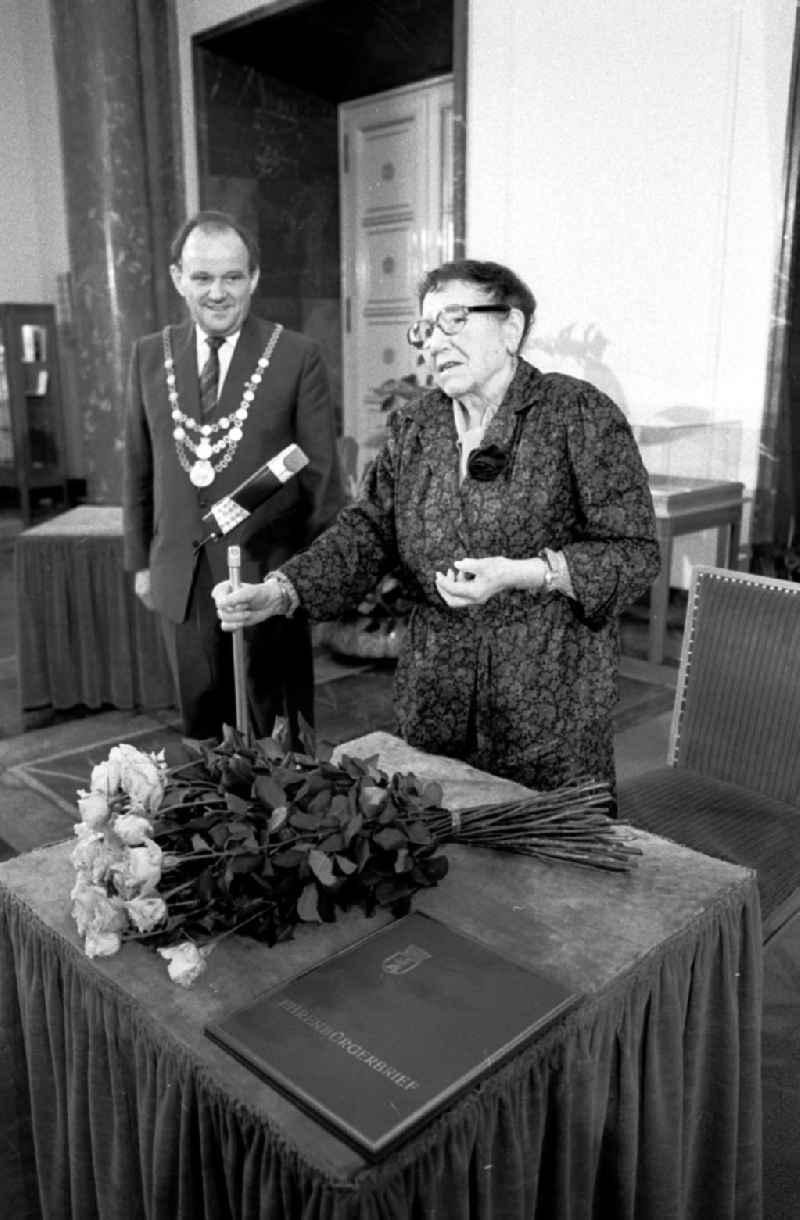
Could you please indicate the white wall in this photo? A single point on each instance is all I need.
(627, 159)
(34, 241)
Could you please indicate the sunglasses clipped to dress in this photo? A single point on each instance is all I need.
(450, 321)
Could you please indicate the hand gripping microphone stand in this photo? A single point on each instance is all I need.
(239, 679)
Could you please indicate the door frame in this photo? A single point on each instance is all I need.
(460, 109)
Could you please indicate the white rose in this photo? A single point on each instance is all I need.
(102, 944)
(95, 913)
(91, 855)
(146, 913)
(84, 895)
(139, 871)
(131, 828)
(185, 962)
(142, 776)
(105, 777)
(93, 807)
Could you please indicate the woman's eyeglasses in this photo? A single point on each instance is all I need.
(450, 321)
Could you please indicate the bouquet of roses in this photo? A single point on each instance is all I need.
(253, 838)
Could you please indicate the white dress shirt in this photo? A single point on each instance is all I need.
(225, 353)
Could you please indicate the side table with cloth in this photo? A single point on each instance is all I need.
(83, 636)
(643, 1101)
(689, 506)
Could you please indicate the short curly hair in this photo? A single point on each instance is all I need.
(501, 285)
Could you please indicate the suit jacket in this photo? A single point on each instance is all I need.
(162, 509)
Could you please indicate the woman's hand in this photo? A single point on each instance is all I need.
(471, 582)
(247, 605)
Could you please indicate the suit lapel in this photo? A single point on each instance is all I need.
(252, 340)
(184, 353)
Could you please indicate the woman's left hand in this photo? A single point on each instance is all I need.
(471, 582)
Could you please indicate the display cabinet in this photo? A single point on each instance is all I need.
(32, 454)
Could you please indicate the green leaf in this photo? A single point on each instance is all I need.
(352, 828)
(332, 842)
(345, 865)
(418, 834)
(308, 905)
(307, 735)
(321, 866)
(317, 781)
(277, 818)
(240, 768)
(389, 813)
(340, 808)
(248, 862)
(353, 767)
(321, 803)
(268, 749)
(304, 821)
(268, 791)
(238, 830)
(236, 804)
(390, 838)
(290, 858)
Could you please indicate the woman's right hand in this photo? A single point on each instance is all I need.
(248, 604)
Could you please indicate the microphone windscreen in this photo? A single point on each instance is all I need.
(235, 508)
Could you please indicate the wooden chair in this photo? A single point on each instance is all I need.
(731, 785)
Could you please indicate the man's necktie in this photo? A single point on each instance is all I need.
(209, 376)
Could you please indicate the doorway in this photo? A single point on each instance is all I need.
(396, 222)
(268, 92)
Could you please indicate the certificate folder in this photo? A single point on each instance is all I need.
(380, 1037)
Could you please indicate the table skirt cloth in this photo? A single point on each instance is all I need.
(83, 636)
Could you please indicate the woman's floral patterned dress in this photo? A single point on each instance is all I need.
(524, 685)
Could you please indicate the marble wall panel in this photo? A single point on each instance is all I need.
(122, 184)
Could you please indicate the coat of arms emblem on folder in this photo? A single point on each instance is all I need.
(404, 960)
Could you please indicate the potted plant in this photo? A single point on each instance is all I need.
(376, 627)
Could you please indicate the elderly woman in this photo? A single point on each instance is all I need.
(518, 509)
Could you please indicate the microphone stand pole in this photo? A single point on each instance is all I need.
(239, 680)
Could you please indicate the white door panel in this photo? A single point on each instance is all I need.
(396, 221)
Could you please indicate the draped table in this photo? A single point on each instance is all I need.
(83, 636)
(643, 1101)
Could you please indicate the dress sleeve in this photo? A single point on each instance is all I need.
(617, 556)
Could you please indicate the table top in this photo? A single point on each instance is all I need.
(586, 927)
(102, 520)
(673, 493)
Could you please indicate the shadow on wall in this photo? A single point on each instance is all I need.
(580, 354)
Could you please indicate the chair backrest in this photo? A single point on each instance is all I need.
(737, 702)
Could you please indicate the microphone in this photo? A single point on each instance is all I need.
(235, 508)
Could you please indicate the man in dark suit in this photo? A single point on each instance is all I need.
(208, 403)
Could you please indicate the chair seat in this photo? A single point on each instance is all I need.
(723, 820)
